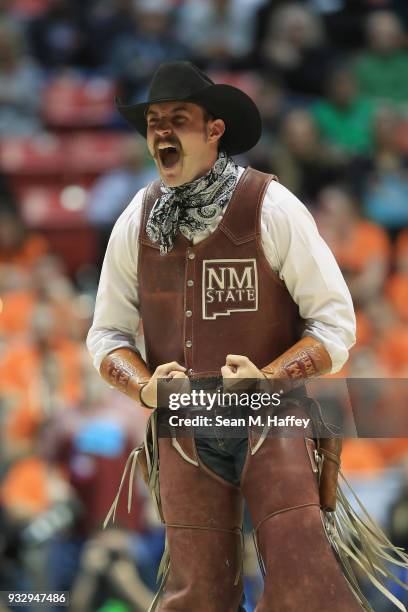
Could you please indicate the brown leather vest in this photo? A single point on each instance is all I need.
(202, 302)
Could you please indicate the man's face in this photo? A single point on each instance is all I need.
(182, 143)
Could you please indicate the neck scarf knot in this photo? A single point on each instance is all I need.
(192, 207)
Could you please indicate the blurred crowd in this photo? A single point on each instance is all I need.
(330, 79)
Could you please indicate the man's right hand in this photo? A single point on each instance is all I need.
(168, 371)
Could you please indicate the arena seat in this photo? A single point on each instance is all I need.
(29, 8)
(246, 81)
(53, 206)
(43, 154)
(73, 101)
(51, 159)
(59, 213)
(94, 153)
(402, 137)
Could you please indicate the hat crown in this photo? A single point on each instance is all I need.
(177, 81)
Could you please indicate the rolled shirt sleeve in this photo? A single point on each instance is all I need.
(116, 318)
(297, 252)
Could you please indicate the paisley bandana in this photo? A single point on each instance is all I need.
(192, 207)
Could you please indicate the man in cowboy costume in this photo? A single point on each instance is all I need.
(287, 315)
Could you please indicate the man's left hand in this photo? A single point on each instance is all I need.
(239, 366)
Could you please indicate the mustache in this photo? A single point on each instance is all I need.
(171, 141)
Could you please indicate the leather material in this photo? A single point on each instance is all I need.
(281, 489)
(330, 452)
(203, 512)
(204, 563)
(201, 333)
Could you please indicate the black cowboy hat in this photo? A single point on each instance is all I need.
(185, 82)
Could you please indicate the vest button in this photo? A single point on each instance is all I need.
(191, 255)
(189, 313)
(190, 283)
(189, 344)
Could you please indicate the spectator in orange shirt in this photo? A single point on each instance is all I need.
(393, 350)
(397, 292)
(362, 248)
(21, 291)
(397, 286)
(17, 245)
(401, 252)
(43, 372)
(23, 492)
(362, 456)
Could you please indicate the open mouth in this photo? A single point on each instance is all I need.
(169, 156)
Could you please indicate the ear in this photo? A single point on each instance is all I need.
(216, 129)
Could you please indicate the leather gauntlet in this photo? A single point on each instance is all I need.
(126, 371)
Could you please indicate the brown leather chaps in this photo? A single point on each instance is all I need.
(203, 515)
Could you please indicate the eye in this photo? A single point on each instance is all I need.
(179, 119)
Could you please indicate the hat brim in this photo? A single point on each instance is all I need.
(243, 124)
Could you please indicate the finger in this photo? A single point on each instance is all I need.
(244, 373)
(173, 365)
(236, 360)
(227, 372)
(166, 368)
(176, 374)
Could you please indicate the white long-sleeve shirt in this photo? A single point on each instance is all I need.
(293, 247)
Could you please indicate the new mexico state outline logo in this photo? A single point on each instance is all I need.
(229, 285)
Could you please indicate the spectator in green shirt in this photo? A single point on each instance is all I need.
(382, 70)
(343, 117)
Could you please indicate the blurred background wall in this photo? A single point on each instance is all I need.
(330, 79)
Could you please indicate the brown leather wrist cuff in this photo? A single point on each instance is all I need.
(282, 385)
(275, 383)
(269, 379)
(124, 370)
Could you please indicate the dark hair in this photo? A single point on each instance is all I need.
(208, 116)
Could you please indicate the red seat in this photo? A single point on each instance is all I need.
(77, 246)
(402, 136)
(59, 214)
(247, 81)
(29, 8)
(49, 159)
(74, 101)
(94, 153)
(43, 154)
(53, 207)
